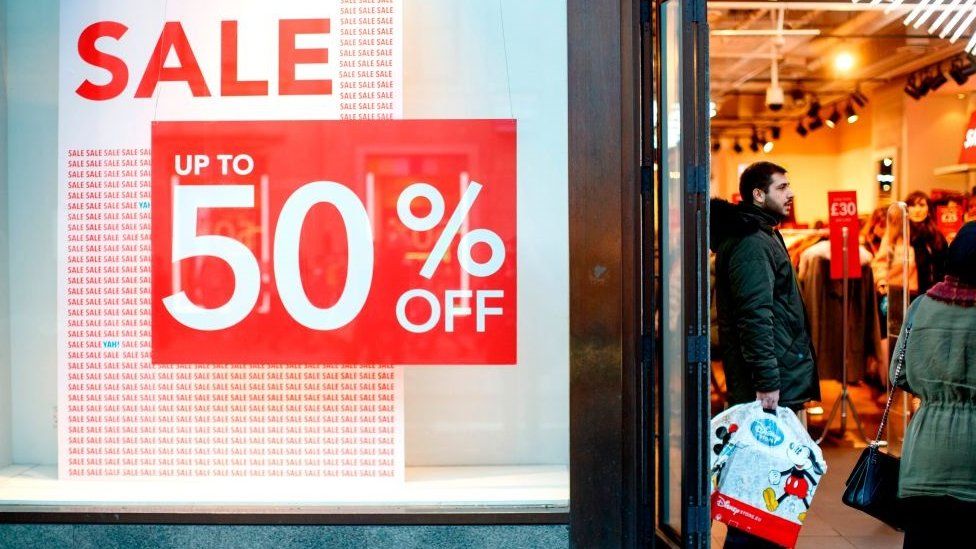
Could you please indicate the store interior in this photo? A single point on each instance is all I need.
(846, 97)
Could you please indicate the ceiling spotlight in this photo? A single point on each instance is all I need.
(936, 79)
(814, 110)
(859, 98)
(775, 130)
(768, 147)
(816, 123)
(850, 114)
(960, 70)
(844, 61)
(798, 96)
(716, 145)
(834, 118)
(754, 141)
(737, 147)
(800, 129)
(913, 87)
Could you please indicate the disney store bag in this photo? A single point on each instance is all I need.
(765, 471)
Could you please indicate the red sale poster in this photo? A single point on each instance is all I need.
(842, 206)
(301, 241)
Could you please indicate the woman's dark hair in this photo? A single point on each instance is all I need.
(926, 230)
(961, 256)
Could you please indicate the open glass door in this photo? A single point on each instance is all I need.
(682, 191)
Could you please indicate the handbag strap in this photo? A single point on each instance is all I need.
(899, 366)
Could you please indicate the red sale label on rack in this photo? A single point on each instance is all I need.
(337, 242)
(842, 206)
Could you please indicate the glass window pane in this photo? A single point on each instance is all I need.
(672, 240)
(257, 248)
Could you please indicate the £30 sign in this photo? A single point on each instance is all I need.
(352, 242)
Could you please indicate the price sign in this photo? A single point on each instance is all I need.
(842, 206)
(949, 219)
(345, 242)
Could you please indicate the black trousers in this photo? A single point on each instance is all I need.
(932, 522)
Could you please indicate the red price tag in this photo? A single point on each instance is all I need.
(334, 242)
(842, 206)
(949, 219)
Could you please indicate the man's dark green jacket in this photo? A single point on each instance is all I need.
(762, 323)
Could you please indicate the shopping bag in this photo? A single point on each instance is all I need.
(765, 471)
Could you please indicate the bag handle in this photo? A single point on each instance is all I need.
(899, 365)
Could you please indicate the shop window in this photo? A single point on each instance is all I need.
(312, 253)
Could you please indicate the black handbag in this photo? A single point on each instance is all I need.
(873, 484)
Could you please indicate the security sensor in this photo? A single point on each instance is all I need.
(774, 98)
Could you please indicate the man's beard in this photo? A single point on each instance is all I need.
(775, 209)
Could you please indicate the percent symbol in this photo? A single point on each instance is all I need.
(452, 229)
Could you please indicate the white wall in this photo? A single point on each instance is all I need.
(457, 65)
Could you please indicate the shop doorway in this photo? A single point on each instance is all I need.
(676, 206)
(848, 98)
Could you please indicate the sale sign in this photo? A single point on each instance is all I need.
(967, 154)
(125, 65)
(949, 219)
(306, 241)
(842, 206)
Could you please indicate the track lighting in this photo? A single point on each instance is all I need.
(936, 79)
(859, 98)
(850, 114)
(737, 147)
(716, 145)
(913, 87)
(800, 129)
(816, 123)
(814, 110)
(962, 68)
(775, 131)
(834, 119)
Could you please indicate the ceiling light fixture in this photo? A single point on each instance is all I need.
(912, 88)
(737, 147)
(859, 98)
(799, 97)
(800, 129)
(814, 110)
(775, 131)
(844, 62)
(815, 124)
(936, 79)
(834, 118)
(851, 115)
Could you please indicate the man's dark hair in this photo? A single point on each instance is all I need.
(758, 175)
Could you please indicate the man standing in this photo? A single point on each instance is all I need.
(763, 333)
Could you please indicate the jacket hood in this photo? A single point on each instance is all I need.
(734, 221)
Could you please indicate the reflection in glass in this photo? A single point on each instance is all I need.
(899, 284)
(672, 238)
